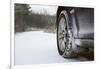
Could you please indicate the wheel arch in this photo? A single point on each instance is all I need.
(60, 8)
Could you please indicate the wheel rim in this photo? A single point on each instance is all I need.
(64, 36)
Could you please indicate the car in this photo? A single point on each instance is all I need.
(75, 30)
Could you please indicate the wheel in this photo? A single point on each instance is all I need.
(65, 36)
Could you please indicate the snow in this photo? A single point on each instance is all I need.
(37, 47)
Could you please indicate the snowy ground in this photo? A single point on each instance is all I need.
(37, 47)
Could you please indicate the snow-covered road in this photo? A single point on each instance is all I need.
(37, 47)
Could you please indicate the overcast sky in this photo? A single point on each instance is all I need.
(44, 9)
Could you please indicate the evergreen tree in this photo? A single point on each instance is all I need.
(21, 14)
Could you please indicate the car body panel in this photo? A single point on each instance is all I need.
(85, 21)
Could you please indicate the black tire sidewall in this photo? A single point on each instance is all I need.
(60, 16)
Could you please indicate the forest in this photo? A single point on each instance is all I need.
(26, 20)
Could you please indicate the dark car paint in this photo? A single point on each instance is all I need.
(85, 21)
(82, 20)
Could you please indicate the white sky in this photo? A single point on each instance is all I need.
(44, 9)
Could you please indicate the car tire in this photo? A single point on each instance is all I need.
(65, 36)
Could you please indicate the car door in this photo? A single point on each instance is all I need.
(84, 20)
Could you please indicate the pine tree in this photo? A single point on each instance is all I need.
(21, 14)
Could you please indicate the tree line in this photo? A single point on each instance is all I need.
(25, 18)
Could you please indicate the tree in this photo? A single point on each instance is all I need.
(21, 14)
